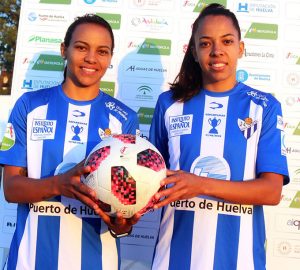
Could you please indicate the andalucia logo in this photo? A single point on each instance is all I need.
(202, 4)
(9, 138)
(262, 31)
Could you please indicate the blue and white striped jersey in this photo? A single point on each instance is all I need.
(49, 133)
(233, 136)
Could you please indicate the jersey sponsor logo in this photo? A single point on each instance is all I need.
(214, 122)
(247, 126)
(215, 105)
(113, 107)
(9, 138)
(211, 166)
(77, 113)
(43, 129)
(76, 130)
(69, 207)
(259, 96)
(180, 125)
(217, 206)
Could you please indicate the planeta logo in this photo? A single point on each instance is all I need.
(262, 31)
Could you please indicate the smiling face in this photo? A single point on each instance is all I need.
(217, 49)
(88, 57)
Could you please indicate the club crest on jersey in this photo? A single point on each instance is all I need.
(180, 125)
(104, 133)
(247, 126)
(43, 129)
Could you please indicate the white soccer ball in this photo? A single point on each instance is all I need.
(126, 173)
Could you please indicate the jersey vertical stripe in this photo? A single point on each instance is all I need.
(70, 226)
(181, 242)
(46, 255)
(34, 161)
(174, 143)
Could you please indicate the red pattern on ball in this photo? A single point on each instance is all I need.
(125, 138)
(151, 159)
(123, 185)
(97, 157)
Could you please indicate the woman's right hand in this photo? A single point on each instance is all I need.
(69, 185)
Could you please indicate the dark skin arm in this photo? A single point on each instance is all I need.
(19, 188)
(265, 190)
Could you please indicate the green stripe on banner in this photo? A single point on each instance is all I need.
(64, 2)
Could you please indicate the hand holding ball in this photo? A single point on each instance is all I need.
(126, 173)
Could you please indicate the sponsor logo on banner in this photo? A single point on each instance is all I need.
(9, 224)
(258, 8)
(293, 150)
(290, 198)
(65, 2)
(9, 138)
(146, 23)
(101, 3)
(256, 76)
(30, 83)
(262, 31)
(198, 5)
(113, 19)
(150, 46)
(147, 69)
(145, 115)
(48, 62)
(287, 248)
(108, 87)
(261, 54)
(152, 4)
(292, 102)
(288, 223)
(291, 56)
(43, 39)
(291, 78)
(48, 18)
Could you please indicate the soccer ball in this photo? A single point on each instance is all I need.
(126, 171)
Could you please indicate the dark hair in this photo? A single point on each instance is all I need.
(88, 18)
(189, 79)
(85, 19)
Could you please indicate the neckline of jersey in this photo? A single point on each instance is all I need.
(230, 92)
(80, 102)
